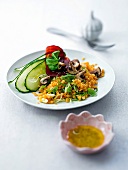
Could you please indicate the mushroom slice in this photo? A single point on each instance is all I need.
(45, 80)
(76, 63)
(97, 72)
(74, 66)
(81, 75)
(61, 65)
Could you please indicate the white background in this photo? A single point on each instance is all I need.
(30, 137)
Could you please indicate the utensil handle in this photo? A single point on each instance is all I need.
(69, 35)
(61, 32)
(56, 31)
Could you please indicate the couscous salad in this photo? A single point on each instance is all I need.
(53, 77)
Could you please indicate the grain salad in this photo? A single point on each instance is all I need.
(71, 87)
(53, 77)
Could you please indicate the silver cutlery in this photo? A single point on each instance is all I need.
(92, 44)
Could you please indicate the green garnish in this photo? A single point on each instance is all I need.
(53, 90)
(92, 92)
(53, 61)
(68, 88)
(75, 88)
(68, 77)
(42, 87)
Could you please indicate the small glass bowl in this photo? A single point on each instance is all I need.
(86, 118)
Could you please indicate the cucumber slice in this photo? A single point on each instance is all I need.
(32, 81)
(36, 59)
(20, 82)
(22, 68)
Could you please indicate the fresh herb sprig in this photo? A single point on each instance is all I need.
(68, 77)
(53, 61)
(92, 92)
(68, 88)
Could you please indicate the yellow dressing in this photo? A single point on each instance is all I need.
(86, 136)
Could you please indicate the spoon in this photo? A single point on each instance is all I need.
(92, 44)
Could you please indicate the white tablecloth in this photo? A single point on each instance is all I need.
(30, 137)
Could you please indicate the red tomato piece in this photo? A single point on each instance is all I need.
(52, 48)
(63, 58)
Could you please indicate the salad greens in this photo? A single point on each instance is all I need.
(68, 88)
(92, 92)
(68, 77)
(70, 82)
(53, 61)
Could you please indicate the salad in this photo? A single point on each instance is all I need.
(54, 78)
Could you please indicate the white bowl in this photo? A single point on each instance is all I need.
(86, 118)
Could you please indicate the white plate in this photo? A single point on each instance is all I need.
(104, 84)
